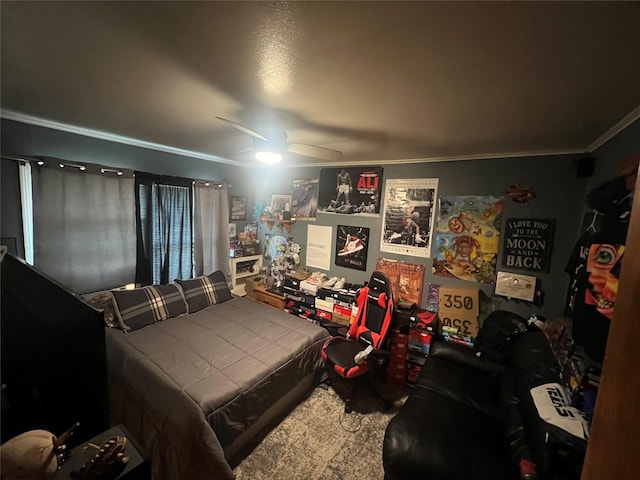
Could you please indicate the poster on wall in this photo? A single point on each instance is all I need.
(528, 244)
(304, 199)
(406, 279)
(352, 191)
(352, 245)
(467, 237)
(408, 216)
(318, 253)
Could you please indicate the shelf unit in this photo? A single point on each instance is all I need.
(243, 268)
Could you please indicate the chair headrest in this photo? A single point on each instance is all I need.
(379, 289)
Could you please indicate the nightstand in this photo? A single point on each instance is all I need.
(138, 467)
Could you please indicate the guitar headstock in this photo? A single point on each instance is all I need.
(107, 463)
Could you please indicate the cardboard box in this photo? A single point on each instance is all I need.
(399, 343)
(252, 282)
(341, 319)
(419, 341)
(413, 370)
(459, 308)
(323, 314)
(324, 304)
(342, 310)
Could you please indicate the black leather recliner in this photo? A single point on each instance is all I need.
(471, 418)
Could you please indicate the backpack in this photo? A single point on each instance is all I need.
(498, 331)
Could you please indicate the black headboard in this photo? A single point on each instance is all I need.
(53, 356)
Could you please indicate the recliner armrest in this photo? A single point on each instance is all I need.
(463, 355)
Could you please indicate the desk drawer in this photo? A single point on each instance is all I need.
(271, 300)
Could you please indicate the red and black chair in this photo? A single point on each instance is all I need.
(355, 355)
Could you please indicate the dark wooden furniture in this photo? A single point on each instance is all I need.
(54, 371)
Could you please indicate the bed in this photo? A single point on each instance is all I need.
(195, 388)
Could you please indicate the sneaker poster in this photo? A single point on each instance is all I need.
(408, 216)
(352, 245)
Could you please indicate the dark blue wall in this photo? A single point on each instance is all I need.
(560, 193)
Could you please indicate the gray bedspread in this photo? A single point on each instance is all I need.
(188, 387)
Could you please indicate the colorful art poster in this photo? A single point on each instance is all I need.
(351, 191)
(352, 245)
(304, 199)
(528, 243)
(409, 214)
(406, 279)
(467, 237)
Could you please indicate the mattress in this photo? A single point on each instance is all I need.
(188, 388)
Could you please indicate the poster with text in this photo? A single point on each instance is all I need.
(351, 191)
(304, 199)
(408, 216)
(352, 245)
(318, 252)
(467, 237)
(528, 243)
(406, 279)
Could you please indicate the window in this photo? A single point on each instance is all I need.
(164, 229)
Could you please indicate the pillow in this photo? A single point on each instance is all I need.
(104, 301)
(142, 306)
(220, 286)
(200, 292)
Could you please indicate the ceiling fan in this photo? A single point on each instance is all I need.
(269, 146)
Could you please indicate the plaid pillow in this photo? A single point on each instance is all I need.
(200, 292)
(143, 306)
(220, 286)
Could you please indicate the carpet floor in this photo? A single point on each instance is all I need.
(318, 441)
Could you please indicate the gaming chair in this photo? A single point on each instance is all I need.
(354, 355)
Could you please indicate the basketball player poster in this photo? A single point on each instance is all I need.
(352, 191)
(408, 216)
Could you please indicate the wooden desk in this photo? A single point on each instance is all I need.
(263, 296)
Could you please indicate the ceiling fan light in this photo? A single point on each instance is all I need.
(270, 157)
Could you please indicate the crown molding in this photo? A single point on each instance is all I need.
(110, 137)
(41, 122)
(616, 129)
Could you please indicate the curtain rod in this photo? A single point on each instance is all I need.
(98, 168)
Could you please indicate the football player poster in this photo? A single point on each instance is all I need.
(352, 244)
(467, 237)
(408, 216)
(352, 191)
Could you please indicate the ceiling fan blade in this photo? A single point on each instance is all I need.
(314, 151)
(242, 128)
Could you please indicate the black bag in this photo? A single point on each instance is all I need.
(499, 329)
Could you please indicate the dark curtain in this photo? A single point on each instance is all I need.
(164, 229)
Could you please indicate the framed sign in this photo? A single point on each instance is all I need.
(238, 210)
(528, 243)
(280, 203)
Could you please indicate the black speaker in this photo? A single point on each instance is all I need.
(585, 166)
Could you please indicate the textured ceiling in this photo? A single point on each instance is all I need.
(378, 81)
